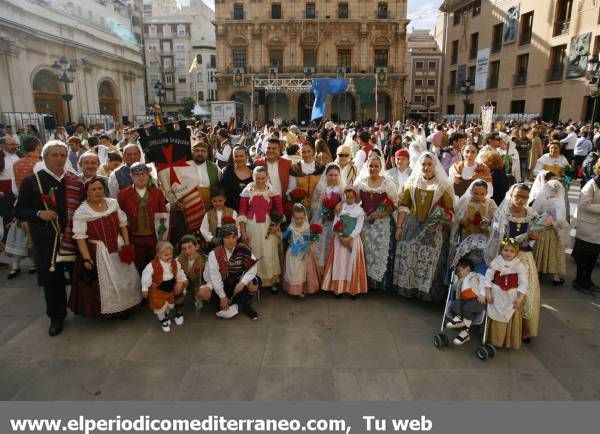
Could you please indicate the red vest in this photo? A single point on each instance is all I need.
(506, 282)
(157, 271)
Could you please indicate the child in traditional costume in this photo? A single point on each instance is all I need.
(300, 274)
(232, 274)
(346, 271)
(163, 280)
(214, 218)
(193, 262)
(466, 307)
(504, 289)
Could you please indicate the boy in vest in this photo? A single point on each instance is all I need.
(162, 281)
(216, 217)
(193, 263)
(232, 275)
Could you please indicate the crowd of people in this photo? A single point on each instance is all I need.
(341, 208)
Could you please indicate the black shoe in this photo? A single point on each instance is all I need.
(353, 297)
(558, 282)
(56, 328)
(582, 287)
(593, 286)
(32, 270)
(250, 312)
(13, 273)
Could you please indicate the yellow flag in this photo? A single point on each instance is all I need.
(193, 65)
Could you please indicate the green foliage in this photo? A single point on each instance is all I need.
(188, 105)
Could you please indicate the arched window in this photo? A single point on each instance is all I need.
(200, 96)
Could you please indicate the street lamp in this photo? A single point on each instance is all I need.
(593, 69)
(466, 90)
(158, 87)
(65, 72)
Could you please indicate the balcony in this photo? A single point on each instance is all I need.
(555, 73)
(561, 28)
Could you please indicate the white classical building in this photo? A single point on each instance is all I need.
(175, 35)
(99, 37)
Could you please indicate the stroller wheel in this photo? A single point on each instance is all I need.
(445, 339)
(482, 353)
(437, 341)
(491, 350)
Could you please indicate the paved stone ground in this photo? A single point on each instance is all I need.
(375, 348)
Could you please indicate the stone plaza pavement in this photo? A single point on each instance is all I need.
(375, 348)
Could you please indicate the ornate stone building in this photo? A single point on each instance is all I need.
(298, 39)
(100, 38)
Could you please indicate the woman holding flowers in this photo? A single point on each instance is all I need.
(259, 205)
(377, 194)
(325, 200)
(345, 271)
(304, 176)
(425, 212)
(514, 219)
(301, 276)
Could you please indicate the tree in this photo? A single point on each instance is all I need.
(188, 105)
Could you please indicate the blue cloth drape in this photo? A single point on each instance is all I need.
(322, 87)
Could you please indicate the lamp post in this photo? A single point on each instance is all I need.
(406, 108)
(466, 91)
(65, 72)
(158, 87)
(160, 92)
(593, 69)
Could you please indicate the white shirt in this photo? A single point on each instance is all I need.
(214, 274)
(8, 173)
(204, 227)
(203, 179)
(273, 170)
(570, 141)
(224, 156)
(167, 274)
(582, 147)
(359, 160)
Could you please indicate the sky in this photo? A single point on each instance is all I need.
(422, 13)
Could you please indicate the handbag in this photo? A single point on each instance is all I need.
(16, 242)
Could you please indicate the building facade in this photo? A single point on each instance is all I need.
(523, 56)
(289, 39)
(424, 71)
(180, 52)
(94, 36)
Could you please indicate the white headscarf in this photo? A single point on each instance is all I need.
(462, 204)
(551, 200)
(440, 179)
(364, 171)
(321, 188)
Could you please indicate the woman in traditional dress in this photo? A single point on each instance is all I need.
(475, 210)
(257, 202)
(463, 173)
(305, 175)
(378, 196)
(326, 197)
(236, 177)
(549, 250)
(553, 161)
(514, 219)
(102, 284)
(424, 216)
(345, 271)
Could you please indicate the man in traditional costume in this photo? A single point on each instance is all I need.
(141, 202)
(277, 166)
(121, 178)
(224, 153)
(232, 275)
(47, 201)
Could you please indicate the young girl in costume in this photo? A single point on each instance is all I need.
(346, 271)
(162, 281)
(327, 195)
(504, 289)
(300, 274)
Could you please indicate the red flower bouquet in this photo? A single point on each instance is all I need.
(338, 228)
(50, 199)
(298, 195)
(127, 254)
(477, 218)
(288, 209)
(315, 231)
(328, 207)
(386, 205)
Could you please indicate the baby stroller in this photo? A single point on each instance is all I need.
(472, 247)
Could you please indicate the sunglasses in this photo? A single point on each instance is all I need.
(343, 155)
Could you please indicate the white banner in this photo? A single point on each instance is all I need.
(481, 70)
(487, 117)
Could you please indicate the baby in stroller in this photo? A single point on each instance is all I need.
(468, 304)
